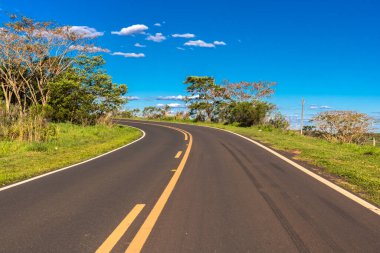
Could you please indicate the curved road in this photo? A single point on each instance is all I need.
(202, 190)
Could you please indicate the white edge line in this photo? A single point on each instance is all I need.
(324, 181)
(74, 165)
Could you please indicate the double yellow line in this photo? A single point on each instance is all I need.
(142, 235)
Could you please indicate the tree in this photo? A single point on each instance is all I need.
(249, 91)
(109, 95)
(71, 101)
(85, 92)
(343, 126)
(165, 110)
(152, 112)
(31, 55)
(204, 97)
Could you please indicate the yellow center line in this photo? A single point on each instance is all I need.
(178, 154)
(153, 124)
(120, 230)
(142, 235)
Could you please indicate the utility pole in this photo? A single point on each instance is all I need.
(302, 112)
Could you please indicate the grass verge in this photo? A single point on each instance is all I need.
(354, 167)
(22, 160)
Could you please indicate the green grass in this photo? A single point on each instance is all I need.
(22, 160)
(354, 167)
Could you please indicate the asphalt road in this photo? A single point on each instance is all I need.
(209, 192)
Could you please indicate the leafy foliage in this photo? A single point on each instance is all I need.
(241, 102)
(248, 114)
(205, 97)
(45, 75)
(153, 112)
(85, 93)
(279, 121)
(129, 113)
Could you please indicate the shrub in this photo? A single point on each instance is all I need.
(248, 114)
(243, 113)
(279, 121)
(343, 126)
(29, 126)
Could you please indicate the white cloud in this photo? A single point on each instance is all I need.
(172, 105)
(220, 43)
(139, 45)
(133, 98)
(85, 31)
(130, 55)
(193, 97)
(176, 105)
(89, 49)
(176, 98)
(179, 97)
(322, 107)
(185, 35)
(133, 29)
(156, 38)
(199, 43)
(157, 24)
(181, 48)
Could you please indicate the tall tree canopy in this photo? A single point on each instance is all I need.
(32, 54)
(85, 92)
(204, 96)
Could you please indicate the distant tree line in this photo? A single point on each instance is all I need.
(243, 103)
(246, 104)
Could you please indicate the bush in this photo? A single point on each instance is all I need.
(243, 113)
(129, 113)
(248, 114)
(343, 126)
(279, 121)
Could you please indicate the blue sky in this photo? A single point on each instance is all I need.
(324, 50)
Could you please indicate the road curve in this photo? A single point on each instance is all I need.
(232, 196)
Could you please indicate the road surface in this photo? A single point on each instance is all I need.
(197, 190)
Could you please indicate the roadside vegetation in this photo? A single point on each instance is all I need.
(337, 143)
(56, 99)
(72, 144)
